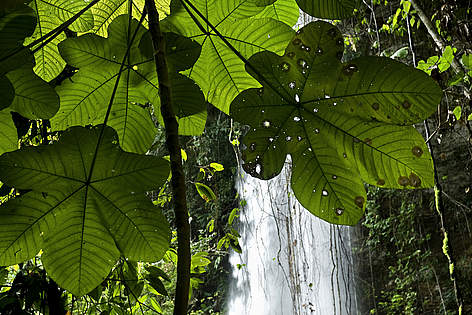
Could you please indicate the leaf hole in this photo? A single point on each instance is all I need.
(285, 66)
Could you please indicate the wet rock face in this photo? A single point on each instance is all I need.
(453, 157)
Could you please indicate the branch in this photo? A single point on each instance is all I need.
(178, 176)
(438, 40)
(447, 250)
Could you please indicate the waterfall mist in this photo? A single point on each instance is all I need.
(292, 262)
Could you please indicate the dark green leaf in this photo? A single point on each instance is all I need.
(157, 272)
(14, 27)
(341, 123)
(329, 9)
(84, 219)
(34, 98)
(157, 285)
(8, 137)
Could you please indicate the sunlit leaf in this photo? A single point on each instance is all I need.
(87, 207)
(50, 14)
(205, 192)
(217, 167)
(105, 11)
(282, 10)
(85, 98)
(218, 71)
(341, 123)
(232, 215)
(457, 112)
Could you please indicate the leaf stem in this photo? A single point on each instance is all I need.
(178, 176)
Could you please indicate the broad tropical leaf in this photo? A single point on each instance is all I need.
(342, 123)
(14, 28)
(86, 209)
(22, 90)
(33, 98)
(329, 9)
(8, 137)
(219, 72)
(106, 11)
(85, 98)
(50, 14)
(282, 10)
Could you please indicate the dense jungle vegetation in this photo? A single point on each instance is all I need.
(123, 124)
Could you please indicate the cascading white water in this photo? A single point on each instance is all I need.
(292, 262)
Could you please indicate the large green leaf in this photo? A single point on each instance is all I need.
(329, 9)
(281, 10)
(218, 71)
(106, 11)
(85, 98)
(50, 14)
(342, 123)
(14, 28)
(86, 209)
(8, 137)
(20, 88)
(33, 98)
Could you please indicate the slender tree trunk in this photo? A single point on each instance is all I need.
(178, 176)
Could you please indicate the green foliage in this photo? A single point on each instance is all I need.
(329, 9)
(81, 199)
(50, 15)
(218, 72)
(399, 253)
(81, 212)
(320, 110)
(442, 63)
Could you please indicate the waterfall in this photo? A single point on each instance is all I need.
(292, 262)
